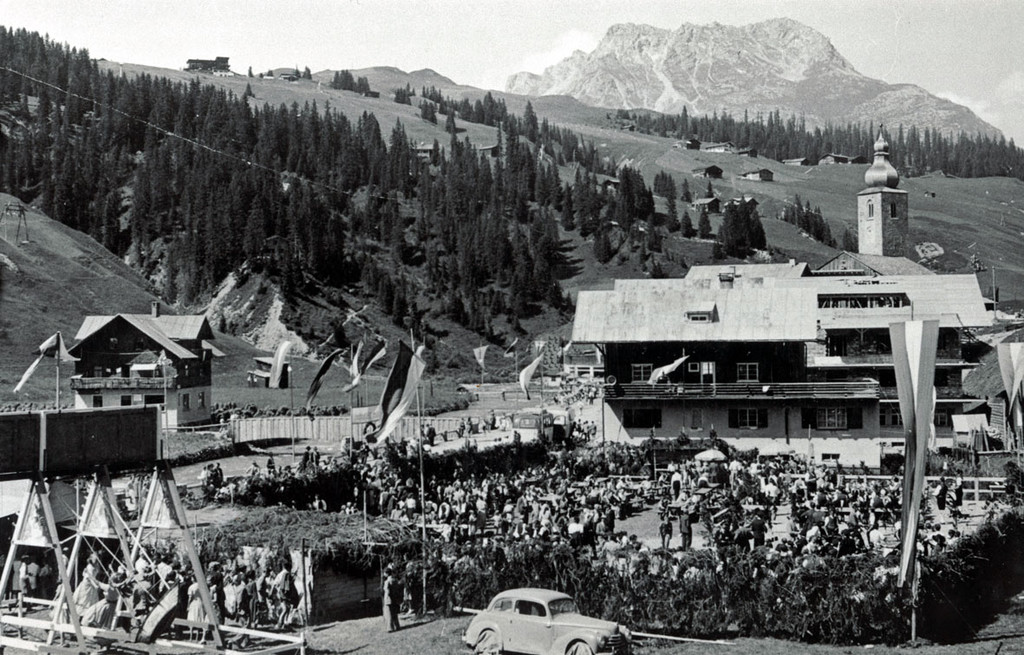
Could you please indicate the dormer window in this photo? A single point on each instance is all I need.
(702, 313)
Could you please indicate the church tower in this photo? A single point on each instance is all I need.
(882, 208)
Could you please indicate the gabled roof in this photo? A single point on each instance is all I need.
(884, 265)
(653, 311)
(705, 201)
(164, 330)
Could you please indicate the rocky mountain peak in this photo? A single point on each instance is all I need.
(778, 64)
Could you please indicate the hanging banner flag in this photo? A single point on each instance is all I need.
(664, 371)
(278, 376)
(527, 373)
(318, 379)
(480, 353)
(1011, 367)
(400, 390)
(511, 350)
(360, 365)
(52, 347)
(914, 346)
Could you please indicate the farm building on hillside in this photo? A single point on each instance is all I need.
(371, 94)
(207, 65)
(743, 200)
(710, 172)
(712, 205)
(146, 359)
(725, 146)
(835, 158)
(760, 175)
(797, 161)
(746, 152)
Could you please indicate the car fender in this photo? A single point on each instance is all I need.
(559, 645)
(478, 625)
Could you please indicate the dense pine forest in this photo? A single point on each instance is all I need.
(190, 183)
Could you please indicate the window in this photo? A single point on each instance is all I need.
(889, 415)
(183, 399)
(112, 344)
(746, 372)
(202, 400)
(530, 608)
(748, 418)
(641, 372)
(697, 419)
(892, 210)
(97, 401)
(871, 209)
(693, 367)
(831, 418)
(638, 417)
(126, 401)
(698, 317)
(97, 371)
(830, 456)
(502, 605)
(941, 418)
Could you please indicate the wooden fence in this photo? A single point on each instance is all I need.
(334, 428)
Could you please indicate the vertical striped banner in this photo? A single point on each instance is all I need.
(914, 346)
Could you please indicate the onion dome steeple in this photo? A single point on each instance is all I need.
(881, 173)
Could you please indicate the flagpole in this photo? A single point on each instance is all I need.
(291, 401)
(58, 375)
(423, 493)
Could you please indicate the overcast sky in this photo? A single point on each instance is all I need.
(970, 51)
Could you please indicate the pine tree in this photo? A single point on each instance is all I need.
(687, 226)
(704, 224)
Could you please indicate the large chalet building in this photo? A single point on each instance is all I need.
(781, 357)
(146, 359)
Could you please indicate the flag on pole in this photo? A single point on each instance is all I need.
(400, 389)
(666, 370)
(527, 373)
(52, 347)
(480, 353)
(360, 365)
(914, 345)
(510, 352)
(277, 369)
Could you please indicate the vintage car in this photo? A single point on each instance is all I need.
(542, 622)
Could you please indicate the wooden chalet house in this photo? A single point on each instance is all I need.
(760, 175)
(710, 172)
(146, 359)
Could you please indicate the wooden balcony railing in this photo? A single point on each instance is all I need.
(744, 390)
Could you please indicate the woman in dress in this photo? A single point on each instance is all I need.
(196, 613)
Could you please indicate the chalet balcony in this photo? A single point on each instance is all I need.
(860, 389)
(135, 383)
(941, 393)
(874, 361)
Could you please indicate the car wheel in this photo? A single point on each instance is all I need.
(487, 644)
(579, 648)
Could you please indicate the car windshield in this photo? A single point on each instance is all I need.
(563, 606)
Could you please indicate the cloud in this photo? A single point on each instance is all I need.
(566, 44)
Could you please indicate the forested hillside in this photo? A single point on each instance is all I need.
(189, 182)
